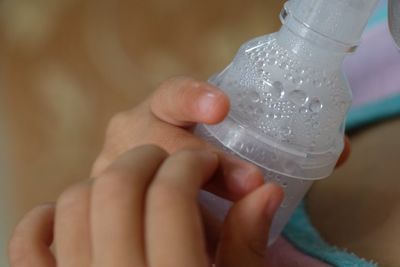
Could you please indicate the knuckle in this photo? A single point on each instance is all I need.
(16, 249)
(118, 120)
(100, 163)
(19, 248)
(113, 183)
(71, 197)
(17, 252)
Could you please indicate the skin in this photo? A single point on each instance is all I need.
(114, 219)
(365, 195)
(92, 215)
(165, 119)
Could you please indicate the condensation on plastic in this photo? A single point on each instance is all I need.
(289, 99)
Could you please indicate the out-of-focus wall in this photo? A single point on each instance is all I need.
(68, 65)
(6, 207)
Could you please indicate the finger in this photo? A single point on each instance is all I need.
(212, 230)
(236, 178)
(345, 153)
(72, 226)
(183, 102)
(174, 234)
(32, 237)
(245, 233)
(117, 207)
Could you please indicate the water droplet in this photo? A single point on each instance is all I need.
(270, 115)
(303, 110)
(298, 97)
(271, 61)
(313, 143)
(315, 105)
(315, 125)
(284, 184)
(265, 74)
(277, 89)
(260, 64)
(277, 116)
(254, 96)
(317, 83)
(285, 131)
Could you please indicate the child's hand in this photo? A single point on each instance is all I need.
(165, 120)
(142, 211)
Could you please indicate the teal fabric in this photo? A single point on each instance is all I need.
(380, 14)
(370, 113)
(300, 232)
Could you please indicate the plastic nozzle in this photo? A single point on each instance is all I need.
(339, 20)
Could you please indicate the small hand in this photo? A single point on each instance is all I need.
(165, 119)
(142, 211)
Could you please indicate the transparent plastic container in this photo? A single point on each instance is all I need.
(289, 99)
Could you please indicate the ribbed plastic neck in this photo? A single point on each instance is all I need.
(333, 24)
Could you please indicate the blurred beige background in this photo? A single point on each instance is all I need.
(67, 65)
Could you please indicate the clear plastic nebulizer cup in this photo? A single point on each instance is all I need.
(289, 99)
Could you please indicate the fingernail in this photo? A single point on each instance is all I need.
(208, 156)
(240, 175)
(246, 178)
(274, 200)
(207, 101)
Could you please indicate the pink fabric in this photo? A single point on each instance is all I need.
(374, 70)
(284, 254)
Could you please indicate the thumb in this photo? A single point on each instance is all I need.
(245, 232)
